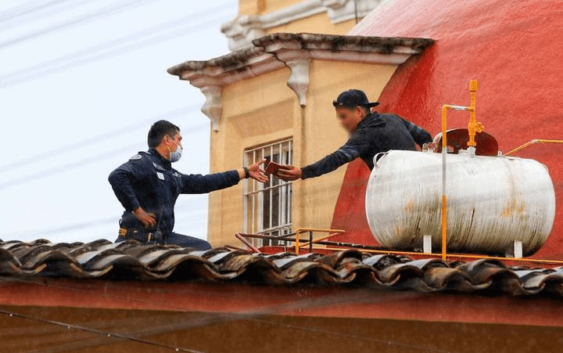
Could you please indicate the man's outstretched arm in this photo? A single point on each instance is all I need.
(419, 135)
(333, 161)
(201, 184)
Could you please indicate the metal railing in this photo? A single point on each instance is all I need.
(296, 239)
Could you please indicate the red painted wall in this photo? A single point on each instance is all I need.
(512, 47)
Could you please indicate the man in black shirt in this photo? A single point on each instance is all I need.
(370, 134)
(147, 186)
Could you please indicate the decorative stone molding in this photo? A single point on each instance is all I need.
(294, 51)
(242, 30)
(213, 107)
(299, 78)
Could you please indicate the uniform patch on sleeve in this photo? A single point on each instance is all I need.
(136, 157)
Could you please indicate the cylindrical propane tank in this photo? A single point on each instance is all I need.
(492, 202)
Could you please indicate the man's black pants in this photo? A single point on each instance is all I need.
(177, 239)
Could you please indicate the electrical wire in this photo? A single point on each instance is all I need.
(113, 48)
(13, 13)
(257, 314)
(108, 334)
(42, 15)
(79, 163)
(67, 167)
(109, 10)
(80, 225)
(56, 152)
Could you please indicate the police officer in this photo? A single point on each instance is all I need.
(147, 186)
(370, 134)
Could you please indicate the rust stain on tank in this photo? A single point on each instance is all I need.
(509, 209)
(409, 207)
(514, 207)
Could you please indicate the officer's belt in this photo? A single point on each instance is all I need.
(136, 234)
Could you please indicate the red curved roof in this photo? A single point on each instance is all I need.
(513, 48)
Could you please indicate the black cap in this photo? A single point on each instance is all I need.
(353, 98)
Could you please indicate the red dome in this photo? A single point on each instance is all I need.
(513, 48)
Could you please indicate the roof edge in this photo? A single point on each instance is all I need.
(305, 41)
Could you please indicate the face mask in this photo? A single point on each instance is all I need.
(176, 155)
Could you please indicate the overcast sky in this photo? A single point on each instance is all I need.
(80, 84)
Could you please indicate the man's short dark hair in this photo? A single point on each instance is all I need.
(159, 130)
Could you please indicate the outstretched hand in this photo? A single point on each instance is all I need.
(290, 173)
(256, 173)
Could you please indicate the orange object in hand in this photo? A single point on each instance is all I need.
(274, 167)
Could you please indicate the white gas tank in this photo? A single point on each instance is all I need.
(492, 202)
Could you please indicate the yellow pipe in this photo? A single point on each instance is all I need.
(474, 126)
(457, 256)
(387, 252)
(444, 197)
(532, 142)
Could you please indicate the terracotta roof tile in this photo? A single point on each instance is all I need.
(132, 260)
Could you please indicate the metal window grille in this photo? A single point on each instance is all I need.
(267, 207)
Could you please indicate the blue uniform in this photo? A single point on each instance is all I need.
(376, 133)
(148, 180)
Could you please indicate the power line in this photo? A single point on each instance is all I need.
(42, 14)
(76, 164)
(80, 225)
(92, 140)
(66, 167)
(108, 334)
(258, 314)
(25, 76)
(112, 48)
(75, 21)
(25, 10)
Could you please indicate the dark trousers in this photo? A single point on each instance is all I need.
(179, 239)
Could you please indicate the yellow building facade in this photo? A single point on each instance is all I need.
(272, 99)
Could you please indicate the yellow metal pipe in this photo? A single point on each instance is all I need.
(474, 126)
(456, 256)
(387, 252)
(532, 142)
(444, 197)
(444, 227)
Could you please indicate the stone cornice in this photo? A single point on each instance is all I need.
(294, 51)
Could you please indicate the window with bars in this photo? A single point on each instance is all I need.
(267, 207)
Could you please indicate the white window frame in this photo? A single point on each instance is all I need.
(255, 194)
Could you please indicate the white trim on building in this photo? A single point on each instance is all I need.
(242, 30)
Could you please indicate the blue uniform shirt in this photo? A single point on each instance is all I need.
(148, 180)
(376, 133)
